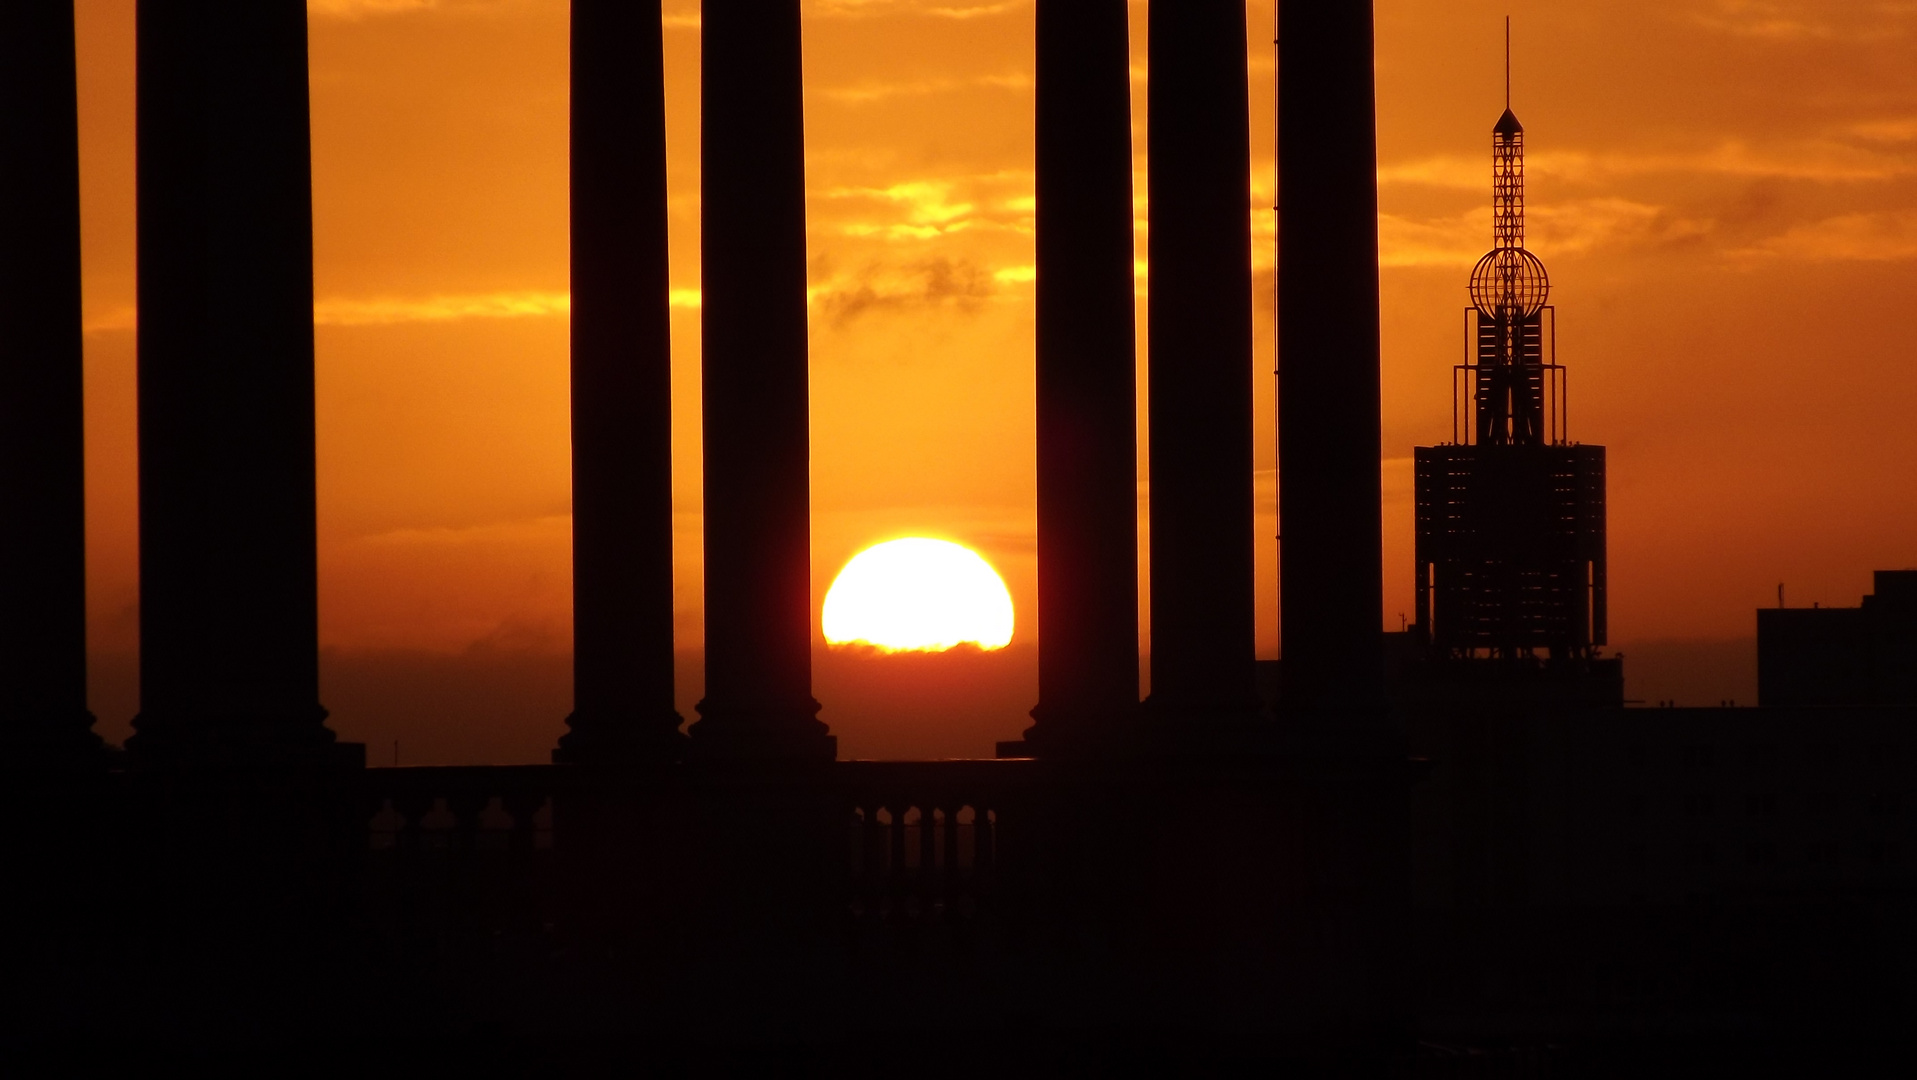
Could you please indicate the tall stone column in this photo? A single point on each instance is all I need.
(43, 631)
(758, 527)
(1328, 425)
(1087, 397)
(229, 667)
(621, 391)
(1204, 622)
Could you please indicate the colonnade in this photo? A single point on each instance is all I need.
(229, 668)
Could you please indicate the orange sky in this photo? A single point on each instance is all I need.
(1725, 192)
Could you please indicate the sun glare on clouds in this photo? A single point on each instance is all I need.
(918, 595)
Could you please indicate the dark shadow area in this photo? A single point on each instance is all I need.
(1700, 673)
(488, 705)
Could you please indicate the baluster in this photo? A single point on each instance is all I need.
(411, 905)
(984, 849)
(381, 823)
(854, 840)
(928, 859)
(546, 824)
(466, 810)
(968, 839)
(872, 868)
(495, 826)
(896, 845)
(436, 826)
(412, 811)
(522, 805)
(951, 867)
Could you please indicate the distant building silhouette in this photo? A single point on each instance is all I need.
(1575, 858)
(1510, 514)
(1864, 655)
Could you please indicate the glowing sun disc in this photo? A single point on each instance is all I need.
(918, 595)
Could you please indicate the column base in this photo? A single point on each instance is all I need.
(626, 739)
(761, 734)
(59, 741)
(200, 741)
(1085, 734)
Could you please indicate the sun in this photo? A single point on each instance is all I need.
(918, 595)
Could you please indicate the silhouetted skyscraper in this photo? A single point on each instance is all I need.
(1510, 514)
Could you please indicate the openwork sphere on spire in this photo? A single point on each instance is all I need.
(1509, 285)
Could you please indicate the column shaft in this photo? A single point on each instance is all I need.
(43, 634)
(228, 583)
(1203, 620)
(621, 390)
(758, 529)
(1328, 425)
(1087, 365)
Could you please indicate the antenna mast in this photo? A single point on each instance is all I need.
(1509, 289)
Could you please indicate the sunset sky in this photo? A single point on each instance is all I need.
(1724, 191)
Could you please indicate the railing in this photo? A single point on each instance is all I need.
(490, 809)
(452, 854)
(923, 838)
(458, 852)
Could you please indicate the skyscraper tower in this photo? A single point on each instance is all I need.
(1510, 513)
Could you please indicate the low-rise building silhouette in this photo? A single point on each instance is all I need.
(1866, 655)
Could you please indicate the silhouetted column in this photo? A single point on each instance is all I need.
(1087, 399)
(229, 665)
(1202, 556)
(1328, 426)
(758, 529)
(43, 630)
(621, 391)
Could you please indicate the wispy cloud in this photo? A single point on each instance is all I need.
(868, 92)
(919, 210)
(397, 310)
(1901, 129)
(1879, 237)
(958, 284)
(1825, 160)
(937, 9)
(1452, 241)
(360, 9)
(1809, 20)
(113, 320)
(386, 311)
(928, 207)
(1573, 227)
(482, 533)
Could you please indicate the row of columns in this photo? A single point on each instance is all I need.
(228, 560)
